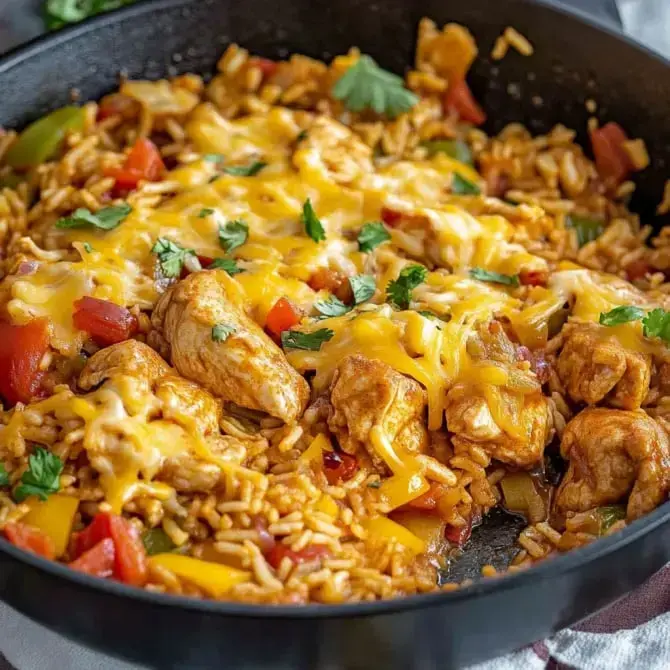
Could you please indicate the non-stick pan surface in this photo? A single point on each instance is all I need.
(574, 61)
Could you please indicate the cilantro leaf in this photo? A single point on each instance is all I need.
(399, 291)
(294, 339)
(62, 12)
(333, 306)
(104, 219)
(461, 186)
(205, 212)
(233, 234)
(42, 476)
(363, 287)
(622, 314)
(222, 331)
(456, 149)
(171, 256)
(496, 277)
(313, 226)
(372, 235)
(228, 264)
(213, 158)
(250, 170)
(587, 230)
(367, 86)
(657, 324)
(87, 247)
(4, 475)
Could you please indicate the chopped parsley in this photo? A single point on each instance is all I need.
(363, 287)
(587, 230)
(367, 86)
(42, 476)
(461, 186)
(104, 219)
(372, 235)
(622, 314)
(495, 277)
(233, 234)
(312, 223)
(222, 331)
(228, 264)
(374, 484)
(4, 475)
(171, 256)
(87, 247)
(250, 170)
(331, 307)
(294, 339)
(399, 291)
(205, 212)
(456, 149)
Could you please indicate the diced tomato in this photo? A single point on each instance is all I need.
(130, 564)
(638, 269)
(333, 281)
(459, 98)
(428, 500)
(283, 316)
(205, 261)
(106, 322)
(339, 466)
(97, 561)
(391, 217)
(143, 163)
(265, 65)
(310, 553)
(31, 539)
(20, 355)
(612, 161)
(534, 277)
(459, 535)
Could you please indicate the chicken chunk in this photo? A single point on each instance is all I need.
(595, 367)
(470, 419)
(246, 368)
(614, 454)
(366, 394)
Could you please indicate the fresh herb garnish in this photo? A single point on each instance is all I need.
(587, 230)
(228, 264)
(294, 339)
(367, 86)
(399, 291)
(372, 235)
(104, 219)
(496, 277)
(374, 484)
(302, 135)
(250, 170)
(312, 223)
(87, 247)
(331, 307)
(363, 287)
(622, 314)
(171, 256)
(461, 186)
(4, 475)
(213, 158)
(609, 515)
(205, 212)
(233, 234)
(456, 149)
(42, 476)
(222, 331)
(58, 13)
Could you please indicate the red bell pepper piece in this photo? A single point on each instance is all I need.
(31, 539)
(106, 322)
(459, 98)
(97, 561)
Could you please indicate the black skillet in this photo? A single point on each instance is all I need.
(574, 61)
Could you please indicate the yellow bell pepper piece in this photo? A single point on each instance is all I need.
(327, 505)
(400, 489)
(214, 578)
(315, 450)
(53, 516)
(383, 528)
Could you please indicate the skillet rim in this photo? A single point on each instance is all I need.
(560, 565)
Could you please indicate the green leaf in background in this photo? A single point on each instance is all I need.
(59, 13)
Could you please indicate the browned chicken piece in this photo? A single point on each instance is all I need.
(470, 420)
(178, 396)
(366, 394)
(595, 367)
(246, 368)
(614, 453)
